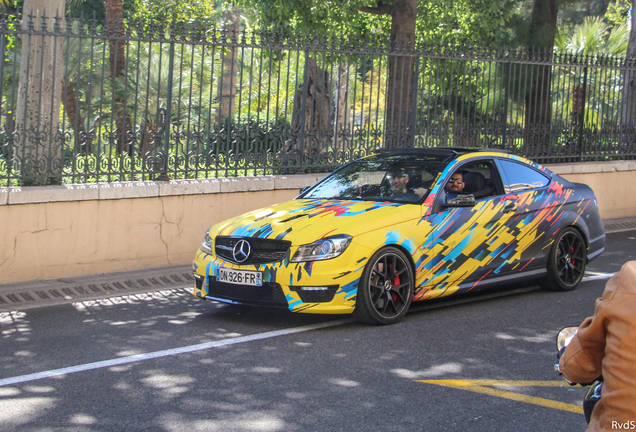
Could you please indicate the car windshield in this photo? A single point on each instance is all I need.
(396, 178)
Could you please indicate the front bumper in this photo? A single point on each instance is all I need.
(320, 287)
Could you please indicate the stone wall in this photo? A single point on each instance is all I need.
(53, 232)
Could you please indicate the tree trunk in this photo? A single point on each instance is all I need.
(341, 128)
(38, 148)
(540, 43)
(401, 74)
(229, 65)
(311, 121)
(71, 106)
(117, 58)
(400, 91)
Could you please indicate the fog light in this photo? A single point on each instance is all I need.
(314, 288)
(315, 294)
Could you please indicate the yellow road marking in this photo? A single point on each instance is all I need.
(481, 386)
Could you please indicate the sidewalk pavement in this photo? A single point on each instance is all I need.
(106, 287)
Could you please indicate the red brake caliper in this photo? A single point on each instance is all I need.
(395, 282)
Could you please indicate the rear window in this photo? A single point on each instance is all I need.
(518, 177)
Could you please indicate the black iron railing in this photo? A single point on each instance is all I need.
(84, 102)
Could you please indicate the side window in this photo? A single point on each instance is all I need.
(518, 177)
(481, 179)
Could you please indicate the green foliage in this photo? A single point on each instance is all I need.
(87, 9)
(574, 12)
(618, 12)
(481, 22)
(175, 13)
(335, 17)
(594, 36)
(147, 86)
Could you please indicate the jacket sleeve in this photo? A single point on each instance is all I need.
(582, 360)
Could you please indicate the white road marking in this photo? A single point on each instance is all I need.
(596, 276)
(232, 341)
(165, 353)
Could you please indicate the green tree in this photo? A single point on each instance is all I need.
(588, 100)
(594, 37)
(618, 12)
(400, 23)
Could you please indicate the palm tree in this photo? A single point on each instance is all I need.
(589, 99)
(594, 37)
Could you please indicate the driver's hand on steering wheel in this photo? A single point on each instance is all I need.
(420, 191)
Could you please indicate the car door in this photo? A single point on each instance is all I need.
(527, 206)
(462, 248)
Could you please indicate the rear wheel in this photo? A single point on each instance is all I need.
(386, 288)
(567, 261)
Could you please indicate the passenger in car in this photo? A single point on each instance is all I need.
(456, 182)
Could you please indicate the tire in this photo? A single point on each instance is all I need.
(566, 262)
(386, 288)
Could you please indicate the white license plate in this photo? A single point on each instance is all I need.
(239, 277)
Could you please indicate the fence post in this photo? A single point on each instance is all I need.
(2, 28)
(504, 121)
(582, 113)
(303, 111)
(416, 73)
(9, 143)
(163, 175)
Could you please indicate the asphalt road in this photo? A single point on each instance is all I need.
(166, 361)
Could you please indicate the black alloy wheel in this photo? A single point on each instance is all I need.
(567, 261)
(386, 288)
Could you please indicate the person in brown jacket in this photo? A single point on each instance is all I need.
(605, 344)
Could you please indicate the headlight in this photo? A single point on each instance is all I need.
(322, 249)
(206, 246)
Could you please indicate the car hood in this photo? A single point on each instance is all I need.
(303, 221)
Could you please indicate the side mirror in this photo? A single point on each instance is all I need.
(305, 189)
(565, 336)
(459, 200)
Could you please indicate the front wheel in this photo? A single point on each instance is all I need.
(386, 288)
(567, 261)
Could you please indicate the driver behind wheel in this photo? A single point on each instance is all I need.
(398, 179)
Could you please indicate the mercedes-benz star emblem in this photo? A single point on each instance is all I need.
(241, 251)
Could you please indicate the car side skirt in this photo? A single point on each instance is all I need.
(503, 280)
(596, 247)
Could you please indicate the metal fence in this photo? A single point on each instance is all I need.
(86, 102)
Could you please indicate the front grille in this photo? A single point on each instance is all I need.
(262, 251)
(269, 294)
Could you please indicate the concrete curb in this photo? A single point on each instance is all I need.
(34, 294)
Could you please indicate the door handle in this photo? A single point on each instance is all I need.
(509, 208)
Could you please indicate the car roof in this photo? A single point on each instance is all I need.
(450, 152)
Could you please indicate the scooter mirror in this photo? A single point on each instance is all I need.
(565, 336)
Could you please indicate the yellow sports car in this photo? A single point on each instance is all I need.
(404, 225)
